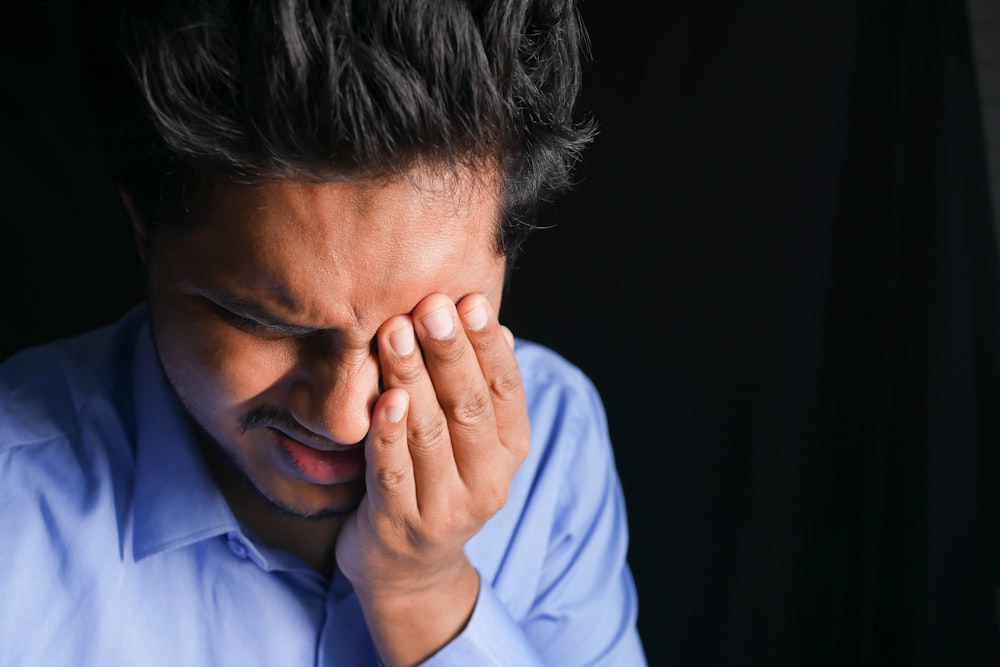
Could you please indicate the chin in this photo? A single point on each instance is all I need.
(323, 503)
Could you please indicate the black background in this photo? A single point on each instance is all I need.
(780, 271)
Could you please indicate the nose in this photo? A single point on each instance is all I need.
(334, 393)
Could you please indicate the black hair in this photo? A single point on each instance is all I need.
(319, 89)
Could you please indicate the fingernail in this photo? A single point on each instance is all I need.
(475, 319)
(401, 341)
(395, 412)
(439, 323)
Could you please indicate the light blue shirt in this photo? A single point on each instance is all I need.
(116, 547)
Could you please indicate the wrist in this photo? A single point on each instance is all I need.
(408, 626)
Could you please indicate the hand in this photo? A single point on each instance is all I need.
(447, 435)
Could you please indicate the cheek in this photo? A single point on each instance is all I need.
(219, 371)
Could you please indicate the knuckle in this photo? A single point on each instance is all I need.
(506, 385)
(426, 434)
(389, 479)
(472, 409)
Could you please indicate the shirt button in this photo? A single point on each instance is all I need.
(236, 546)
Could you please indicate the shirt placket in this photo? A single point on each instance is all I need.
(343, 639)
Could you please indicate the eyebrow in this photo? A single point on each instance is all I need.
(257, 313)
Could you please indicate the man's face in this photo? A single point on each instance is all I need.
(266, 311)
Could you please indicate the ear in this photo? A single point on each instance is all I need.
(138, 224)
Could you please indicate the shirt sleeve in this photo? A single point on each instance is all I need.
(583, 606)
(491, 639)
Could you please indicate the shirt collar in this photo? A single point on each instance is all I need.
(177, 503)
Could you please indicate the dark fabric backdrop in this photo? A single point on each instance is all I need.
(778, 267)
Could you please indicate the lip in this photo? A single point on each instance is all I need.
(321, 466)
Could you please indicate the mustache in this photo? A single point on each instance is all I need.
(264, 416)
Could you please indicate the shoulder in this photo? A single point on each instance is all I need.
(65, 434)
(570, 441)
(541, 364)
(66, 464)
(560, 395)
(47, 391)
(66, 419)
(567, 484)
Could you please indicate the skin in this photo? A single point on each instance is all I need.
(372, 313)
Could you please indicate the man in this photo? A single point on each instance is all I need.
(315, 444)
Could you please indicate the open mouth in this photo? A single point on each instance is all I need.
(321, 466)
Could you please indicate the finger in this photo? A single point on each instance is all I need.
(508, 336)
(462, 390)
(493, 344)
(389, 471)
(427, 437)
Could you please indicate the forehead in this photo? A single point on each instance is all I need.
(329, 251)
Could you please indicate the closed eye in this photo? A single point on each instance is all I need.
(261, 329)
